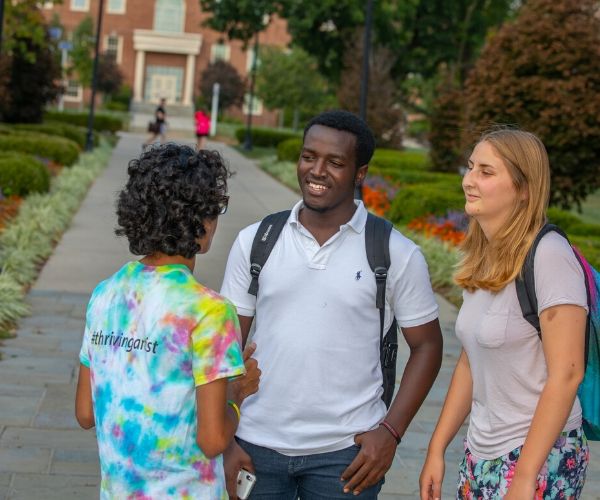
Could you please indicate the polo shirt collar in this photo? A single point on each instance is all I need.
(357, 222)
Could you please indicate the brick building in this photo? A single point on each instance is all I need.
(162, 49)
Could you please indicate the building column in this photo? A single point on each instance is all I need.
(138, 80)
(188, 88)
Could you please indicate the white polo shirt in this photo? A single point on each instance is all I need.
(317, 332)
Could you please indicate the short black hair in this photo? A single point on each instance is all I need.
(171, 190)
(349, 122)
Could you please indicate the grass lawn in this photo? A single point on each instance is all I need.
(257, 152)
(590, 209)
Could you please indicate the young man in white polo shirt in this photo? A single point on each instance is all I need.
(317, 428)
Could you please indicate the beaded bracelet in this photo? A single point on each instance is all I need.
(392, 431)
(235, 407)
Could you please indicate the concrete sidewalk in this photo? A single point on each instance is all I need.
(43, 452)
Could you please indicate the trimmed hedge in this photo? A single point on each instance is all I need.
(58, 149)
(72, 132)
(22, 174)
(289, 150)
(102, 122)
(423, 199)
(265, 137)
(29, 238)
(572, 224)
(396, 160)
(589, 246)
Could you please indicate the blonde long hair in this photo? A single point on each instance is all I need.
(491, 265)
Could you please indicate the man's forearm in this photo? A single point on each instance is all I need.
(419, 375)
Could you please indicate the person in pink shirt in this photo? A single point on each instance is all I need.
(202, 119)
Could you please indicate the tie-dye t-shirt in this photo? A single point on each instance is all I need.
(152, 335)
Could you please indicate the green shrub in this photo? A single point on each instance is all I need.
(29, 238)
(72, 132)
(58, 149)
(284, 171)
(267, 137)
(565, 220)
(589, 247)
(572, 224)
(116, 106)
(442, 259)
(450, 181)
(22, 174)
(419, 129)
(423, 199)
(289, 150)
(400, 160)
(102, 122)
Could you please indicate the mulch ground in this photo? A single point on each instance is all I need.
(9, 207)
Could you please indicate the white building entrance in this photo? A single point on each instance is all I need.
(163, 82)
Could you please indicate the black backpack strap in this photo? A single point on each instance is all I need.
(266, 236)
(377, 238)
(377, 243)
(525, 283)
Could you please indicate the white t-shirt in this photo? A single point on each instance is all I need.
(505, 353)
(317, 333)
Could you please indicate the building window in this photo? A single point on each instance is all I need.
(73, 91)
(116, 7)
(80, 5)
(250, 59)
(113, 47)
(219, 52)
(169, 15)
(257, 105)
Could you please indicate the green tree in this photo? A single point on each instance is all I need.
(28, 64)
(290, 80)
(446, 126)
(232, 87)
(422, 33)
(24, 29)
(110, 77)
(384, 115)
(30, 84)
(541, 73)
(240, 19)
(82, 53)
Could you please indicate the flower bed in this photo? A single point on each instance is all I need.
(9, 207)
(450, 228)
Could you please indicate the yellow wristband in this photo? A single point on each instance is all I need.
(235, 407)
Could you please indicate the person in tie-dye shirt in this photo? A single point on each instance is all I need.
(159, 348)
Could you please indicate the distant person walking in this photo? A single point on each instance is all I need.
(202, 119)
(158, 128)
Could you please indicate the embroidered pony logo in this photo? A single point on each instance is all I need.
(358, 275)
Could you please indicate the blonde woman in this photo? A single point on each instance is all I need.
(524, 439)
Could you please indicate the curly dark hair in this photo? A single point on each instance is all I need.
(348, 122)
(171, 191)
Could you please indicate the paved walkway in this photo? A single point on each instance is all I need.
(43, 452)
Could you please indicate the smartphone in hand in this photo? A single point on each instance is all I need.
(245, 483)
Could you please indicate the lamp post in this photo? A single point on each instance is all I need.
(248, 139)
(89, 144)
(364, 78)
(1, 23)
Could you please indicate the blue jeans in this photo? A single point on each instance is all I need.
(308, 477)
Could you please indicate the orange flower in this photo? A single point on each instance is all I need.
(444, 231)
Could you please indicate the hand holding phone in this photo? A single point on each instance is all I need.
(245, 483)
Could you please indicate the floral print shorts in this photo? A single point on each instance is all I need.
(562, 476)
